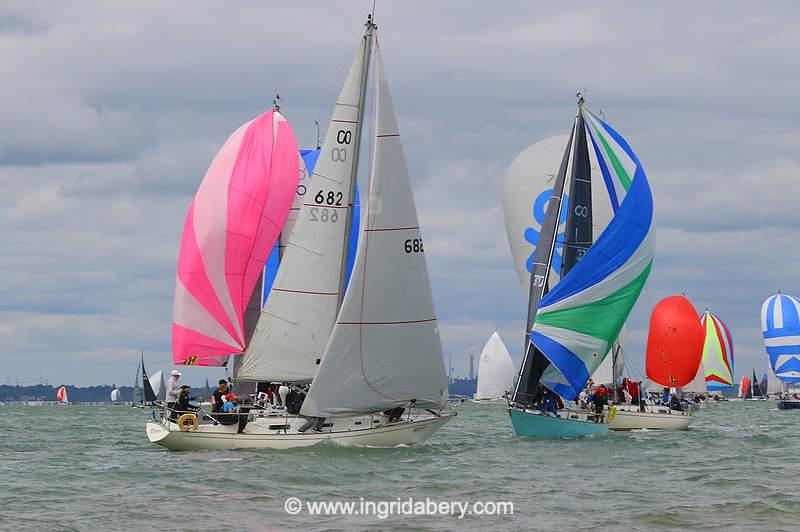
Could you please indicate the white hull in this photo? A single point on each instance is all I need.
(653, 418)
(262, 434)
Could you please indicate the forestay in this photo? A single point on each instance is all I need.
(296, 322)
(385, 350)
(580, 318)
(230, 227)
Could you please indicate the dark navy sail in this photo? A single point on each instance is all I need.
(149, 394)
(757, 391)
(578, 236)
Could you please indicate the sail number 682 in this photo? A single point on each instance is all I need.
(414, 245)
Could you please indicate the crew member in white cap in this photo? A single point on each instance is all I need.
(172, 388)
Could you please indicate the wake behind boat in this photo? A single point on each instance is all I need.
(321, 324)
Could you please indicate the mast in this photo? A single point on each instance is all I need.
(534, 362)
(578, 235)
(369, 34)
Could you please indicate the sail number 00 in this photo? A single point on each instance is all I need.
(339, 155)
(414, 245)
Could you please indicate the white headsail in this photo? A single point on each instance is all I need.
(385, 350)
(495, 369)
(296, 322)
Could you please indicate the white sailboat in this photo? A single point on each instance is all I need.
(372, 353)
(495, 372)
(115, 396)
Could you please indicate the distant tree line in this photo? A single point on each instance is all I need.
(466, 387)
(76, 394)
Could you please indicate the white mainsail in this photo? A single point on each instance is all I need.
(115, 395)
(385, 349)
(495, 369)
(296, 322)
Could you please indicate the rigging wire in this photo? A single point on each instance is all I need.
(328, 101)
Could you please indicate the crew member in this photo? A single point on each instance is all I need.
(218, 398)
(172, 391)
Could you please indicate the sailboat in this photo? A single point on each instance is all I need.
(757, 393)
(674, 350)
(115, 396)
(745, 389)
(371, 352)
(573, 324)
(61, 396)
(495, 371)
(780, 324)
(148, 395)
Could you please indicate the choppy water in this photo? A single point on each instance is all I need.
(89, 468)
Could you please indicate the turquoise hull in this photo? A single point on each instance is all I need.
(528, 424)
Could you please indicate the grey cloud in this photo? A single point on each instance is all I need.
(115, 112)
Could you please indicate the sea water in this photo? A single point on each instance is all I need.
(92, 468)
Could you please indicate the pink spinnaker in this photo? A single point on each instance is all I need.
(232, 224)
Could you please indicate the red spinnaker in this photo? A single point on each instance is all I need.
(674, 343)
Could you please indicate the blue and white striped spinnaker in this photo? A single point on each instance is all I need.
(780, 323)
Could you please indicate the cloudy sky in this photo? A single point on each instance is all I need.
(111, 113)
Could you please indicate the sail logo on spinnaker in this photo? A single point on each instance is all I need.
(532, 234)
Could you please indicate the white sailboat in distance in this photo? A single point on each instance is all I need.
(495, 372)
